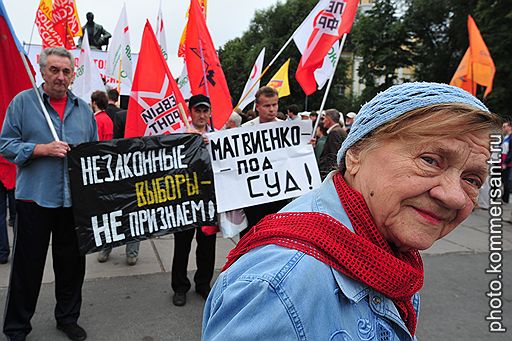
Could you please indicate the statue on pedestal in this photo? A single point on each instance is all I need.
(97, 35)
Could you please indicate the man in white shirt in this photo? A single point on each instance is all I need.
(267, 106)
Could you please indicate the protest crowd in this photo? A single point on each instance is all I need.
(91, 166)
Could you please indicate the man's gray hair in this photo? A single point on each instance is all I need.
(334, 115)
(56, 51)
(236, 119)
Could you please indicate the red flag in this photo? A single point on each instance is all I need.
(203, 65)
(14, 76)
(153, 106)
(181, 47)
(58, 23)
(333, 19)
(14, 80)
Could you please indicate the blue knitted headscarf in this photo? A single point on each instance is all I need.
(400, 99)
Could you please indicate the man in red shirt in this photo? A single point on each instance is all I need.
(99, 102)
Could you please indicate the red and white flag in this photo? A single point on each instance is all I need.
(153, 106)
(119, 57)
(204, 71)
(254, 77)
(301, 37)
(328, 21)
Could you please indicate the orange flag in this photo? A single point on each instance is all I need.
(477, 66)
(58, 23)
(153, 106)
(462, 77)
(204, 71)
(483, 65)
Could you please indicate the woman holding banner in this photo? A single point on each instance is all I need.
(343, 261)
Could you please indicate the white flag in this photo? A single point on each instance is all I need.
(88, 77)
(184, 83)
(301, 37)
(160, 32)
(119, 58)
(253, 78)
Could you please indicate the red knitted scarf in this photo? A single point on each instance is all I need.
(364, 255)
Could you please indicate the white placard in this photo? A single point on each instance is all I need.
(262, 163)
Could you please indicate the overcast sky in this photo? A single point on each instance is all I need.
(226, 19)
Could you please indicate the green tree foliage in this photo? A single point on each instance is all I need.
(271, 28)
(380, 38)
(428, 36)
(438, 33)
(494, 19)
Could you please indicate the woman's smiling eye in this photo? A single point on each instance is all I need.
(474, 181)
(430, 160)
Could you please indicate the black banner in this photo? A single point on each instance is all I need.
(133, 189)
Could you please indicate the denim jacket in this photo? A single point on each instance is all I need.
(44, 180)
(275, 293)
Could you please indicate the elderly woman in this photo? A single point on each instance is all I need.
(342, 262)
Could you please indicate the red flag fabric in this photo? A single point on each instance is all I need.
(181, 47)
(204, 71)
(58, 23)
(14, 80)
(333, 19)
(153, 106)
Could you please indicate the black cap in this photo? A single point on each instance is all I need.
(198, 100)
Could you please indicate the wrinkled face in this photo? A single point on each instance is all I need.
(57, 74)
(200, 116)
(267, 107)
(419, 192)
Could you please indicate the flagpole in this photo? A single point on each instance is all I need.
(264, 71)
(119, 79)
(39, 97)
(473, 83)
(329, 84)
(183, 115)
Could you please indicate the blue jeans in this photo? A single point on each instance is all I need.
(5, 196)
(132, 249)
